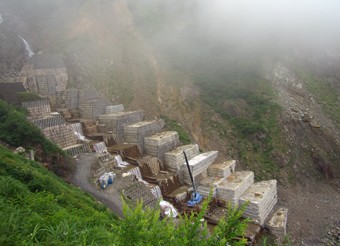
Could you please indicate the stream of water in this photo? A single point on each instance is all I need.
(28, 48)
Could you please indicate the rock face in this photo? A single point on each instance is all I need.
(307, 126)
(12, 53)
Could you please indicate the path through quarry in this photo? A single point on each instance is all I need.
(81, 179)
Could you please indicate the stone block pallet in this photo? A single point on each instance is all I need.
(138, 191)
(174, 159)
(222, 170)
(115, 122)
(198, 166)
(75, 150)
(114, 109)
(209, 183)
(160, 143)
(262, 197)
(136, 132)
(38, 108)
(234, 186)
(277, 224)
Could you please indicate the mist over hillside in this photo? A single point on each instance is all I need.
(257, 80)
(227, 35)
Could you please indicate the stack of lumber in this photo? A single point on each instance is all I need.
(198, 166)
(262, 196)
(234, 186)
(222, 170)
(159, 143)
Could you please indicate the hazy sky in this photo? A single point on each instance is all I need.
(287, 19)
(221, 31)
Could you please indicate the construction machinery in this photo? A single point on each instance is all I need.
(196, 197)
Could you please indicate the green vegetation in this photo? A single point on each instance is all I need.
(145, 228)
(28, 96)
(324, 92)
(38, 208)
(173, 125)
(246, 103)
(16, 131)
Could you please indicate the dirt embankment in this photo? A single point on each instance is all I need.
(312, 160)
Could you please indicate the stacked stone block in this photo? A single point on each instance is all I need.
(61, 134)
(138, 191)
(234, 186)
(72, 97)
(75, 150)
(222, 170)
(198, 166)
(209, 183)
(262, 197)
(50, 121)
(114, 109)
(135, 133)
(44, 74)
(277, 224)
(38, 108)
(160, 143)
(115, 122)
(174, 159)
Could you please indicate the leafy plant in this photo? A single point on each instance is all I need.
(173, 125)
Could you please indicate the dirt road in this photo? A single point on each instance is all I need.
(81, 179)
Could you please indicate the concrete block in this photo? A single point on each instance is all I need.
(234, 186)
(262, 197)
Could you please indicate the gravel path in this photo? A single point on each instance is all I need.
(81, 179)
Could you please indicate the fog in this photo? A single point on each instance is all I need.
(203, 35)
(217, 32)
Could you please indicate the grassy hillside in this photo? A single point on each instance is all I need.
(38, 207)
(25, 133)
(16, 130)
(246, 103)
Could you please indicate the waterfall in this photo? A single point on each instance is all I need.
(1, 19)
(28, 48)
(78, 131)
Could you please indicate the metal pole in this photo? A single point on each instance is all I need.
(192, 179)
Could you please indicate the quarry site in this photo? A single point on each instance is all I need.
(145, 161)
(134, 113)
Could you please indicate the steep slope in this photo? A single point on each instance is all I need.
(38, 207)
(279, 120)
(223, 100)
